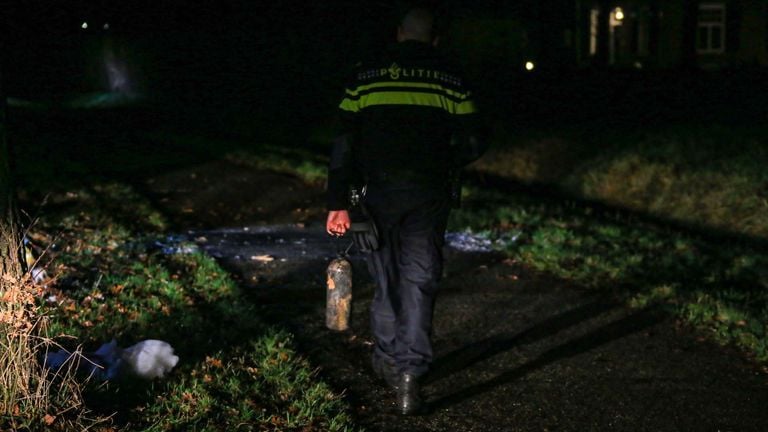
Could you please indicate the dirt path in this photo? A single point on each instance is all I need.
(515, 351)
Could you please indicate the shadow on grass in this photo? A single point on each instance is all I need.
(219, 328)
(553, 194)
(708, 276)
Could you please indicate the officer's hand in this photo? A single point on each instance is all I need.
(338, 222)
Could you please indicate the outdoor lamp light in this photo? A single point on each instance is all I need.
(84, 25)
(529, 66)
(618, 14)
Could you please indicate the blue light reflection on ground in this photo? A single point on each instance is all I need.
(287, 242)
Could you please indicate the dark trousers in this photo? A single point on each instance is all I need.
(407, 268)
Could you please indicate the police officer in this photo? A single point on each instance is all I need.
(408, 123)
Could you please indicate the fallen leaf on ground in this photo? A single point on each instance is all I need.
(263, 258)
(213, 362)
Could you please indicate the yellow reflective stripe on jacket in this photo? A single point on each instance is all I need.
(350, 105)
(415, 85)
(436, 100)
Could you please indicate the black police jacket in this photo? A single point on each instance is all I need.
(408, 120)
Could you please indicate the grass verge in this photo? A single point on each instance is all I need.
(709, 176)
(111, 281)
(31, 397)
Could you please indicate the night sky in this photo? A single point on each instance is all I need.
(204, 42)
(286, 60)
(273, 61)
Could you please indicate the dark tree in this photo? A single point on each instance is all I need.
(10, 233)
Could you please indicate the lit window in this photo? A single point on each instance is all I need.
(710, 31)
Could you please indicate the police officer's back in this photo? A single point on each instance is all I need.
(409, 122)
(402, 110)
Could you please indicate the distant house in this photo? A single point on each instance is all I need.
(647, 34)
(666, 33)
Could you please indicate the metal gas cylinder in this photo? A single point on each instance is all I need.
(339, 294)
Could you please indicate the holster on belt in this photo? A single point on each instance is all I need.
(363, 228)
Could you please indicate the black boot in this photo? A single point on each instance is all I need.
(408, 395)
(386, 371)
